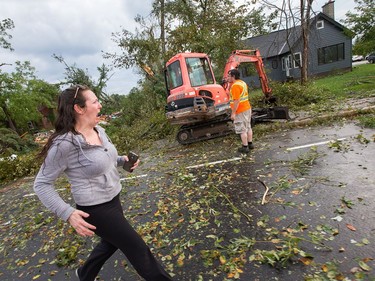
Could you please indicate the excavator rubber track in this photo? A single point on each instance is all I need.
(206, 130)
(223, 125)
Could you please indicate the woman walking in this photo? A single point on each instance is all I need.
(81, 149)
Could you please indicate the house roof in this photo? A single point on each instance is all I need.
(281, 41)
(275, 43)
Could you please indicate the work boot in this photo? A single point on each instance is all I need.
(250, 145)
(243, 149)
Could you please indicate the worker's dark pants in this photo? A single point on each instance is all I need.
(117, 233)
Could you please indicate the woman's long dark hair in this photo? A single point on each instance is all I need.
(65, 113)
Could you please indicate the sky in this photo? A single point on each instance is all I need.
(80, 31)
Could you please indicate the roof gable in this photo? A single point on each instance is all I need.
(281, 41)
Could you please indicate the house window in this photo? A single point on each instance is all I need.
(297, 60)
(319, 24)
(331, 54)
(274, 64)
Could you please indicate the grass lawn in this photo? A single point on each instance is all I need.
(323, 92)
(360, 80)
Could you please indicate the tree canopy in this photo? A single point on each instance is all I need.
(22, 95)
(362, 23)
(214, 27)
(4, 35)
(75, 75)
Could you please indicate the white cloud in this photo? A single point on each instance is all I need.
(77, 30)
(341, 7)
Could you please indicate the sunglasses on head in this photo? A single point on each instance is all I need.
(78, 87)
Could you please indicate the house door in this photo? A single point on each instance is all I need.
(287, 65)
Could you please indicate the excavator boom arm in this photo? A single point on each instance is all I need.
(249, 56)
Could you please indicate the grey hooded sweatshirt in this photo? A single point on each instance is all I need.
(91, 170)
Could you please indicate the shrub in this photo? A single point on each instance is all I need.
(12, 143)
(367, 121)
(296, 95)
(12, 168)
(141, 133)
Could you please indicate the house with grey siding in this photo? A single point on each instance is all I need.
(329, 50)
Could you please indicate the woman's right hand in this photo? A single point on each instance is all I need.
(82, 227)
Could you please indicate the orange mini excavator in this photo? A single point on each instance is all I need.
(200, 105)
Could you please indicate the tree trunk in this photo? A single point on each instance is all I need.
(305, 54)
(11, 123)
(305, 25)
(162, 28)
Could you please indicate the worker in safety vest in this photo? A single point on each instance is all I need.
(241, 110)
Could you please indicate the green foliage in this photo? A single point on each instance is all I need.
(22, 95)
(11, 143)
(305, 161)
(279, 257)
(207, 26)
(141, 103)
(296, 95)
(140, 50)
(142, 118)
(195, 26)
(329, 272)
(367, 121)
(362, 23)
(113, 104)
(21, 166)
(68, 252)
(75, 75)
(321, 92)
(359, 81)
(141, 133)
(4, 36)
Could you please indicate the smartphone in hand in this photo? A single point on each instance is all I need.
(129, 164)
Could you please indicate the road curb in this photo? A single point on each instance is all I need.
(345, 113)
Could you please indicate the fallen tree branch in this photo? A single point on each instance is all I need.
(265, 193)
(233, 206)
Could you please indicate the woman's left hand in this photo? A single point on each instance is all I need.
(135, 164)
(126, 158)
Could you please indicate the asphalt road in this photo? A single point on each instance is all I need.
(321, 179)
(194, 203)
(338, 191)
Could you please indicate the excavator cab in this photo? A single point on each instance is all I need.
(192, 92)
(194, 99)
(198, 73)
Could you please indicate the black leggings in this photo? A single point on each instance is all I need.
(116, 233)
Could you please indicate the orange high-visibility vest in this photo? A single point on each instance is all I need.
(242, 95)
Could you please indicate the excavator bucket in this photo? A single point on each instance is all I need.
(279, 112)
(270, 113)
